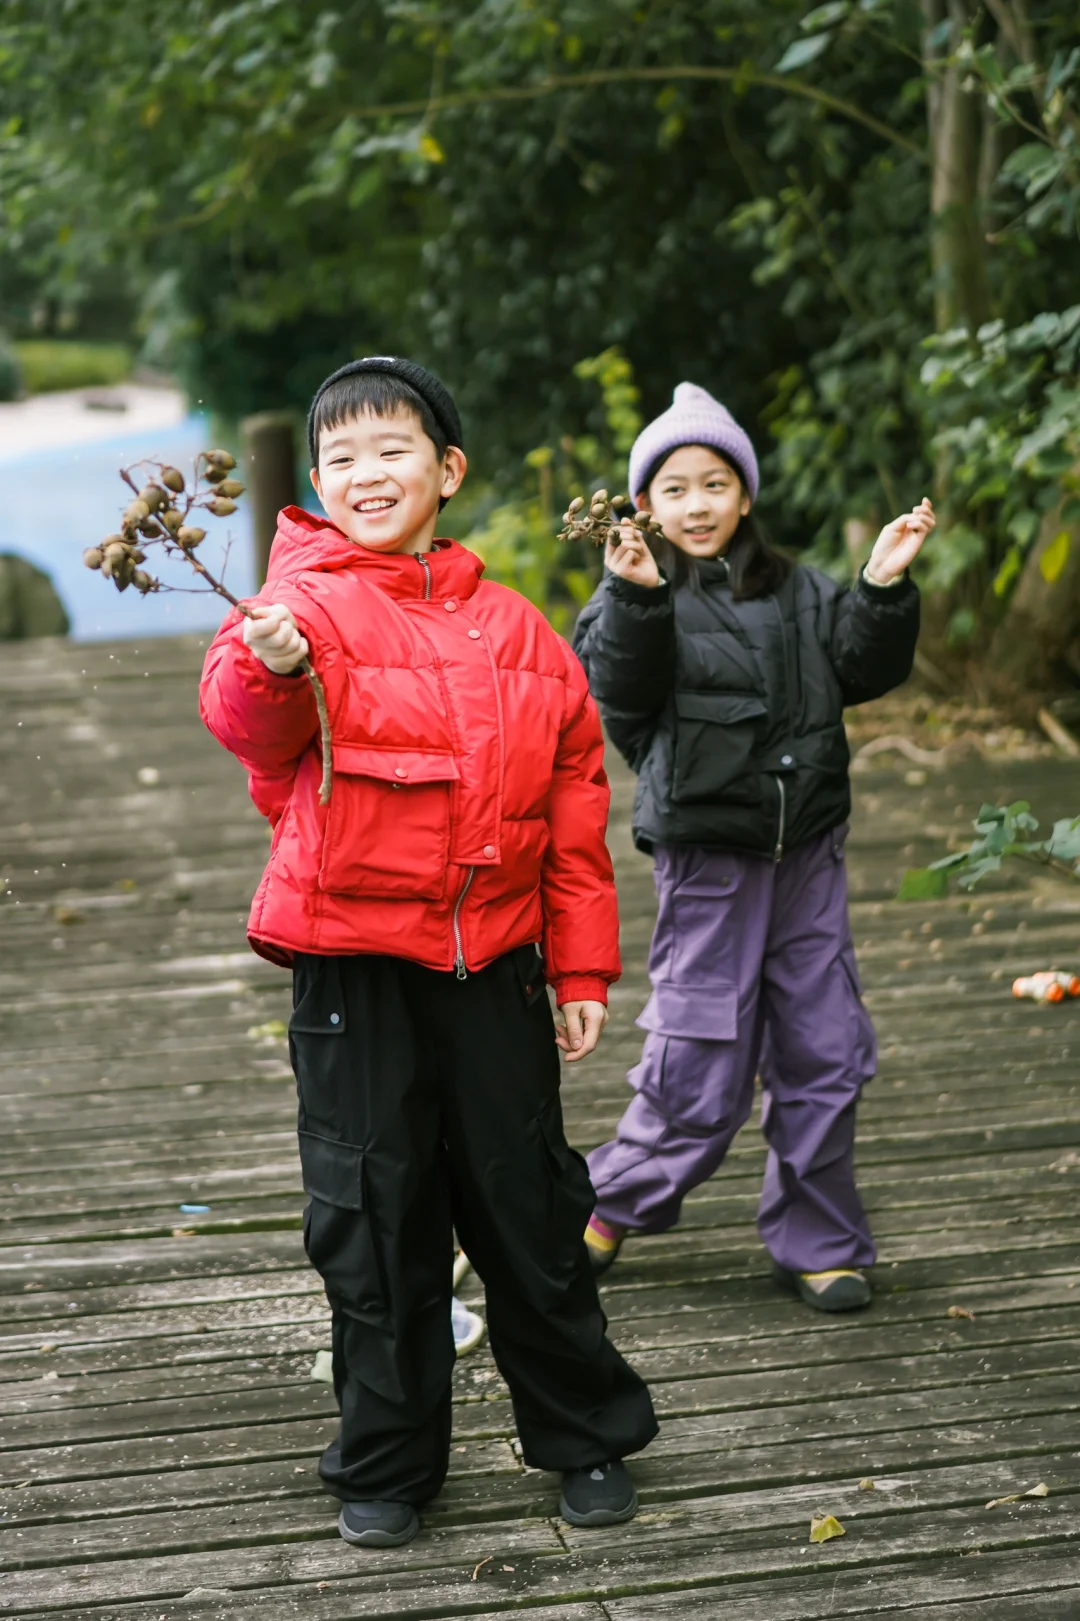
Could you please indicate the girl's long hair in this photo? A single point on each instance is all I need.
(756, 569)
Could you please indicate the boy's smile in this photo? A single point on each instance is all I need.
(381, 480)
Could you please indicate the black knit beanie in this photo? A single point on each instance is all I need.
(434, 393)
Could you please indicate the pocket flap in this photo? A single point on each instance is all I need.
(700, 1012)
(722, 707)
(402, 766)
(333, 1171)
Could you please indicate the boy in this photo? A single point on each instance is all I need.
(465, 825)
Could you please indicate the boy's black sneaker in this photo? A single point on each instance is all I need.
(602, 1495)
(378, 1525)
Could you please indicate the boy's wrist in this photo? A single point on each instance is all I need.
(581, 988)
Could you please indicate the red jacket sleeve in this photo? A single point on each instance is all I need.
(577, 885)
(268, 721)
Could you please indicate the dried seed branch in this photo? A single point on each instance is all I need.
(160, 515)
(599, 523)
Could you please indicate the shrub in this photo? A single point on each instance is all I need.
(10, 374)
(49, 364)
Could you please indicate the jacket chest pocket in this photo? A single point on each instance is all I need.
(388, 823)
(716, 736)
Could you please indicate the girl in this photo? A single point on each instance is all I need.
(722, 671)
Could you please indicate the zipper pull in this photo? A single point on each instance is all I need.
(460, 970)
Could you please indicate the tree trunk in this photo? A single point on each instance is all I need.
(957, 236)
(270, 464)
(1036, 648)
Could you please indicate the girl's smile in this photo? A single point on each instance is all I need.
(699, 498)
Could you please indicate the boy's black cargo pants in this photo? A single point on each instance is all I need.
(428, 1103)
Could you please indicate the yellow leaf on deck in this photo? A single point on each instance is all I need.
(824, 1527)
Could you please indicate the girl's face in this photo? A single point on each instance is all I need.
(698, 498)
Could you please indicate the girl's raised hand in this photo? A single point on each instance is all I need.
(629, 557)
(899, 544)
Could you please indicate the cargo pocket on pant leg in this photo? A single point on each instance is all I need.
(337, 1226)
(696, 1075)
(863, 1035)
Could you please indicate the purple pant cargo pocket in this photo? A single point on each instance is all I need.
(690, 1068)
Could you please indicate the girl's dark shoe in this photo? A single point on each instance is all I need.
(603, 1495)
(841, 1290)
(603, 1242)
(378, 1525)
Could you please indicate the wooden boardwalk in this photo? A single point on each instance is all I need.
(158, 1424)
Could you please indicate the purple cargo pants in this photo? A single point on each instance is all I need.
(753, 968)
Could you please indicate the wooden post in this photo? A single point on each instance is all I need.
(270, 464)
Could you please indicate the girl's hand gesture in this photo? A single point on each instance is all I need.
(899, 544)
(629, 557)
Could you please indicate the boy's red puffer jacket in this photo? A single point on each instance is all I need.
(469, 801)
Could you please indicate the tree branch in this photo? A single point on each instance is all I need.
(554, 83)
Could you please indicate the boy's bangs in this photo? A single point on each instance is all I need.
(376, 394)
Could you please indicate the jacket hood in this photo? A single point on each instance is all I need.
(306, 543)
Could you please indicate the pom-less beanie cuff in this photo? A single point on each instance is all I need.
(430, 388)
(693, 418)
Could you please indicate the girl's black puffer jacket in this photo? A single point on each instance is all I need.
(731, 712)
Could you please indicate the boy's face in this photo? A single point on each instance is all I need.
(698, 499)
(380, 481)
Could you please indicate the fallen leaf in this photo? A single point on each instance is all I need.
(148, 775)
(867, 1485)
(183, 1232)
(509, 1567)
(1041, 1490)
(824, 1527)
(68, 914)
(322, 1368)
(48, 1346)
(272, 1030)
(961, 1311)
(299, 1470)
(478, 1568)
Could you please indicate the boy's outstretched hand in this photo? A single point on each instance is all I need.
(274, 637)
(583, 1023)
(899, 544)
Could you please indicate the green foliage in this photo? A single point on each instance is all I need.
(51, 364)
(10, 375)
(1002, 832)
(518, 541)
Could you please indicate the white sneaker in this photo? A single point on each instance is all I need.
(468, 1327)
(461, 1267)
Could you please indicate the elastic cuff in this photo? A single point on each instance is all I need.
(893, 588)
(581, 988)
(271, 677)
(630, 591)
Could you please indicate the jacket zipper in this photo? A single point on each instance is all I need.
(459, 961)
(779, 850)
(426, 566)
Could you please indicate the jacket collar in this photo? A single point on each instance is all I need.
(306, 543)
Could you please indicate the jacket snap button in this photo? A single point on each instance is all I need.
(335, 1018)
(489, 851)
(475, 634)
(451, 607)
(398, 772)
(785, 759)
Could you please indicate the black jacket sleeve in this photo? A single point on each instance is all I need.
(625, 638)
(874, 632)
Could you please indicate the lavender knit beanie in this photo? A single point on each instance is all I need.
(693, 418)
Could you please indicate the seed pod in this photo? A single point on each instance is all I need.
(576, 504)
(221, 507)
(600, 495)
(190, 536)
(137, 554)
(149, 528)
(171, 519)
(221, 458)
(142, 581)
(640, 520)
(173, 479)
(92, 556)
(154, 496)
(116, 553)
(136, 511)
(231, 487)
(215, 474)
